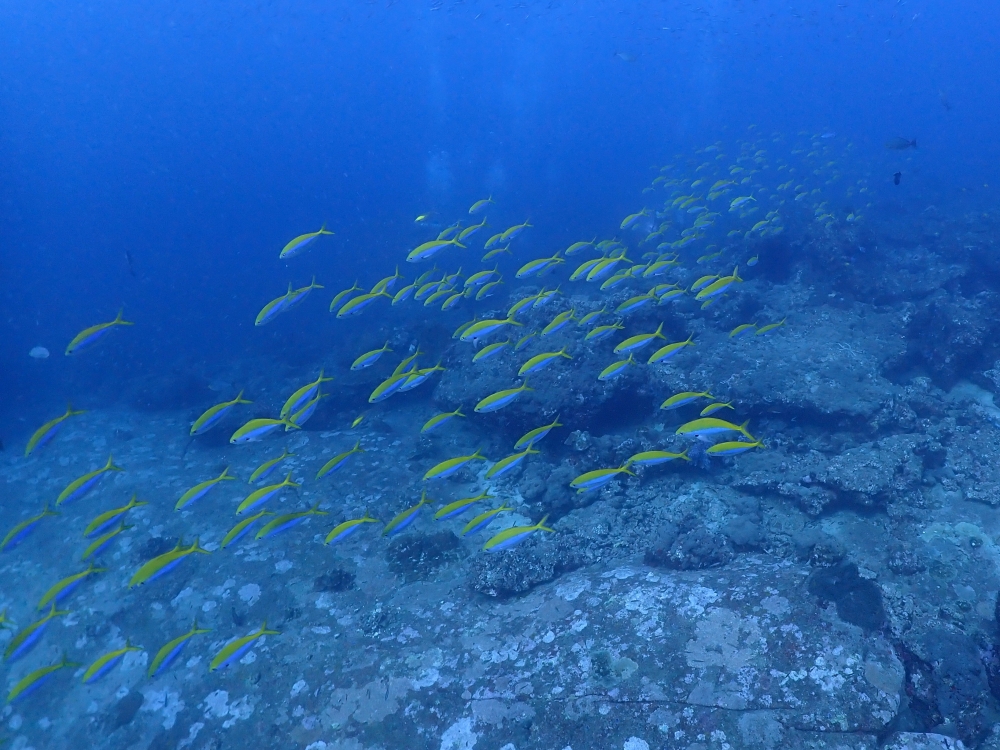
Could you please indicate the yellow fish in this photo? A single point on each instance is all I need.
(48, 430)
(89, 336)
(300, 243)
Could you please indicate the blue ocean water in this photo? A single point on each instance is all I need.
(156, 157)
(199, 141)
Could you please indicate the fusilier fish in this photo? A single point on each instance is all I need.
(201, 489)
(109, 517)
(559, 322)
(654, 458)
(257, 429)
(262, 495)
(235, 649)
(597, 478)
(82, 485)
(35, 678)
(446, 468)
(106, 662)
(98, 545)
(483, 520)
(339, 296)
(439, 419)
(17, 534)
(428, 250)
(732, 448)
(533, 436)
(500, 399)
(297, 296)
(709, 427)
(491, 350)
(287, 520)
(48, 430)
(509, 462)
(682, 399)
(90, 336)
(508, 234)
(337, 462)
(484, 328)
(481, 205)
(634, 343)
(615, 369)
(163, 564)
(28, 636)
(214, 414)
(515, 535)
(171, 650)
(344, 530)
(265, 469)
(403, 519)
(357, 304)
(273, 308)
(666, 352)
(300, 243)
(460, 506)
(541, 361)
(240, 529)
(61, 589)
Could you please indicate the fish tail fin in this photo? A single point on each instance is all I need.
(289, 424)
(196, 547)
(71, 412)
(240, 400)
(225, 474)
(659, 331)
(121, 321)
(458, 412)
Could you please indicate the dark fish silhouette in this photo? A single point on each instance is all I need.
(900, 144)
(896, 178)
(128, 259)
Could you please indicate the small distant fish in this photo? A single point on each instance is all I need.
(39, 352)
(895, 181)
(900, 144)
(625, 57)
